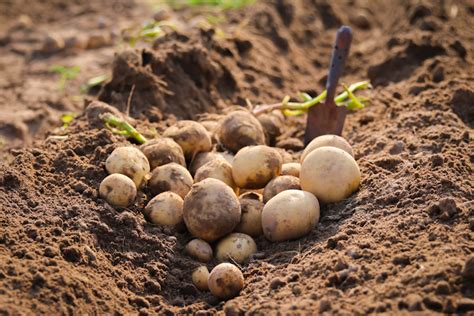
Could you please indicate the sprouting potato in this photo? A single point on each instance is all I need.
(254, 166)
(129, 161)
(291, 169)
(118, 190)
(330, 173)
(200, 278)
(199, 250)
(162, 151)
(165, 209)
(279, 184)
(272, 124)
(211, 209)
(327, 140)
(240, 129)
(237, 247)
(201, 159)
(191, 136)
(225, 281)
(289, 215)
(251, 219)
(218, 169)
(171, 177)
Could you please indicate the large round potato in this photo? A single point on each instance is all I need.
(291, 169)
(225, 281)
(251, 220)
(162, 151)
(129, 161)
(218, 169)
(199, 250)
(239, 129)
(171, 177)
(327, 140)
(118, 190)
(255, 166)
(211, 209)
(289, 215)
(165, 209)
(279, 184)
(191, 136)
(236, 247)
(330, 173)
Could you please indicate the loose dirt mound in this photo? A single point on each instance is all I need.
(402, 242)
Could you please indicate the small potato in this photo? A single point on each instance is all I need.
(199, 250)
(201, 159)
(272, 124)
(239, 129)
(191, 136)
(171, 177)
(291, 169)
(330, 173)
(200, 278)
(238, 247)
(226, 281)
(211, 209)
(251, 219)
(255, 166)
(218, 169)
(162, 151)
(129, 161)
(327, 140)
(118, 190)
(165, 209)
(279, 184)
(289, 215)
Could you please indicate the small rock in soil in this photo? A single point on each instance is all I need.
(465, 305)
(276, 283)
(433, 303)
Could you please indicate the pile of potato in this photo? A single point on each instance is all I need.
(196, 187)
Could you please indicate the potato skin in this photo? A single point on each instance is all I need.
(289, 215)
(255, 166)
(280, 184)
(171, 177)
(251, 219)
(236, 246)
(211, 209)
(118, 190)
(225, 281)
(191, 136)
(165, 209)
(129, 161)
(291, 169)
(218, 169)
(330, 173)
(327, 140)
(200, 278)
(162, 151)
(201, 159)
(240, 129)
(272, 124)
(199, 250)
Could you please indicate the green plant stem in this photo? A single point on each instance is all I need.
(122, 127)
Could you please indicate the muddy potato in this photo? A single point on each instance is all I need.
(291, 169)
(118, 190)
(165, 209)
(225, 281)
(200, 278)
(211, 209)
(272, 124)
(251, 219)
(199, 250)
(191, 136)
(254, 166)
(240, 129)
(129, 161)
(280, 184)
(289, 215)
(218, 169)
(201, 159)
(162, 151)
(236, 247)
(171, 177)
(327, 140)
(330, 173)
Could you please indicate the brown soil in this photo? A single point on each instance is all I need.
(402, 243)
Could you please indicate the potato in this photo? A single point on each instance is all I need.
(200, 278)
(199, 250)
(291, 169)
(255, 166)
(191, 136)
(211, 209)
(330, 173)
(240, 129)
(272, 124)
(237, 247)
(171, 177)
(162, 151)
(165, 209)
(118, 190)
(129, 161)
(201, 159)
(279, 184)
(251, 218)
(289, 215)
(327, 140)
(225, 281)
(218, 169)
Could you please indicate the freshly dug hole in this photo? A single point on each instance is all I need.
(191, 136)
(129, 161)
(240, 129)
(171, 177)
(251, 219)
(162, 151)
(118, 190)
(235, 247)
(226, 281)
(279, 184)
